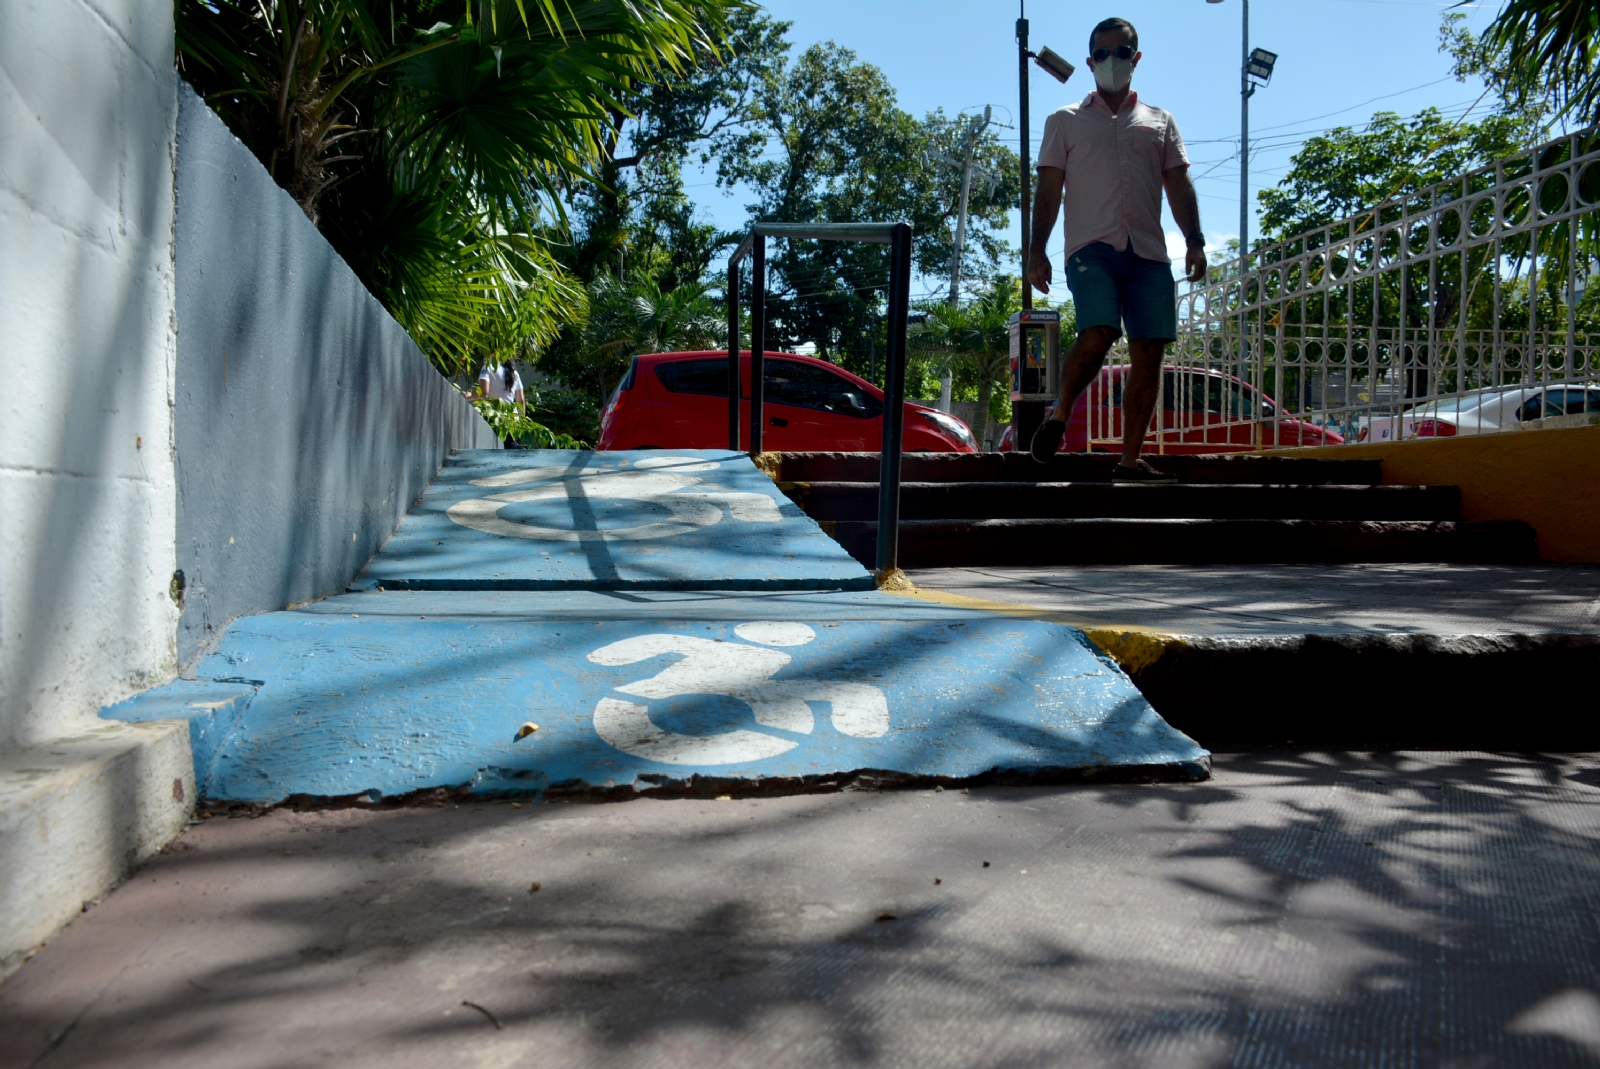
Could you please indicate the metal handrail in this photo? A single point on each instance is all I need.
(898, 237)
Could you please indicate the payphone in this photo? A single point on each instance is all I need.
(1035, 370)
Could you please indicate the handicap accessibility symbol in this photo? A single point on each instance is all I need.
(733, 670)
(665, 482)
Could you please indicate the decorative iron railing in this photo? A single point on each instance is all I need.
(1463, 308)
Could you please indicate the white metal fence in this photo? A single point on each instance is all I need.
(1463, 308)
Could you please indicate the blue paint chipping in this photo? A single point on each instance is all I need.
(667, 620)
(579, 520)
(362, 694)
(214, 708)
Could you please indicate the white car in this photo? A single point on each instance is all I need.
(1484, 411)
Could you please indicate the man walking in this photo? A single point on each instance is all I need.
(1111, 154)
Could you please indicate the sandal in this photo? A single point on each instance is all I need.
(1140, 472)
(1047, 440)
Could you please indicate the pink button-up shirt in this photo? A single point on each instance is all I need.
(1114, 165)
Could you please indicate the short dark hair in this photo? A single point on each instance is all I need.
(1107, 25)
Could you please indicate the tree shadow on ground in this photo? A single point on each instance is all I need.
(1301, 909)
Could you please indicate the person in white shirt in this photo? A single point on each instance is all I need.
(499, 382)
(1108, 158)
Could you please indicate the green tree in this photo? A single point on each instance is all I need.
(637, 219)
(1345, 171)
(1550, 48)
(829, 144)
(432, 141)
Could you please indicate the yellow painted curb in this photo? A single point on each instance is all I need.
(1134, 650)
(894, 581)
(769, 464)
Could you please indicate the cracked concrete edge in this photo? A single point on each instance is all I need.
(78, 815)
(1133, 648)
(697, 785)
(1137, 648)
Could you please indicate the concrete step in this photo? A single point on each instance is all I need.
(956, 543)
(1011, 500)
(1362, 656)
(1074, 467)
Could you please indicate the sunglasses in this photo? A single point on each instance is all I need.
(1100, 55)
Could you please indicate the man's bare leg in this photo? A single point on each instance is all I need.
(1087, 353)
(1139, 395)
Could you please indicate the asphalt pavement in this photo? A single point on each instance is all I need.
(1300, 909)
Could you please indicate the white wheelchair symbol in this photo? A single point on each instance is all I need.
(733, 670)
(662, 481)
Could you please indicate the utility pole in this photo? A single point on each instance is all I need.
(1022, 129)
(975, 130)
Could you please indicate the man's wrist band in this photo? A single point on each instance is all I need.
(1195, 239)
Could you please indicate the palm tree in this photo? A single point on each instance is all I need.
(977, 335)
(628, 318)
(433, 154)
(1554, 44)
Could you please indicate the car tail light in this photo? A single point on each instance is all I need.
(1433, 428)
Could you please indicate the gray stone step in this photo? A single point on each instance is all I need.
(1011, 500)
(955, 543)
(1073, 467)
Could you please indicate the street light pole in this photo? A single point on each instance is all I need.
(1245, 89)
(1022, 129)
(1252, 64)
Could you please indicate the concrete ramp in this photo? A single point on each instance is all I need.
(671, 623)
(579, 520)
(392, 693)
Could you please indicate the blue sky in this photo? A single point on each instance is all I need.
(1338, 61)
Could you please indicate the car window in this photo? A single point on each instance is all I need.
(1570, 402)
(1183, 393)
(789, 382)
(709, 377)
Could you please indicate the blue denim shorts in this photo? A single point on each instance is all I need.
(1111, 288)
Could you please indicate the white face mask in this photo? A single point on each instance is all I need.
(1113, 74)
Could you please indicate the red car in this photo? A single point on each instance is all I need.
(680, 401)
(1202, 411)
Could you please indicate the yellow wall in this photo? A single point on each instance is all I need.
(1549, 479)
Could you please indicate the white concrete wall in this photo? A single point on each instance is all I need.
(87, 488)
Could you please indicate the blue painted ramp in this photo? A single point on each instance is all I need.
(388, 693)
(645, 520)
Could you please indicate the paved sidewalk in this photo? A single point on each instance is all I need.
(1443, 599)
(1301, 909)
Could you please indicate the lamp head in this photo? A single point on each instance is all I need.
(1053, 65)
(1261, 64)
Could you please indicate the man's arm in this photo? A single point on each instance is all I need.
(1186, 213)
(1046, 207)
